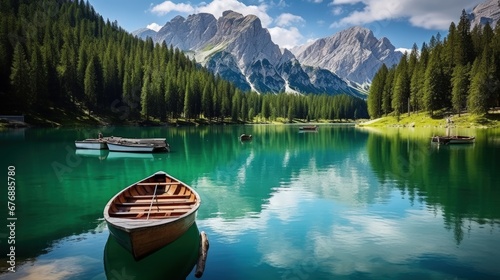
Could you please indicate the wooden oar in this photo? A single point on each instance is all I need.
(152, 200)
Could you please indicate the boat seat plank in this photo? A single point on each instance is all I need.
(159, 184)
(157, 196)
(152, 213)
(154, 203)
(161, 201)
(164, 208)
(144, 215)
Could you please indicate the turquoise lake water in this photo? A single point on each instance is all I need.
(339, 203)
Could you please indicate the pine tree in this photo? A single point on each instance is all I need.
(495, 47)
(416, 85)
(157, 95)
(266, 108)
(19, 77)
(478, 98)
(5, 57)
(465, 47)
(432, 85)
(244, 108)
(235, 106)
(483, 83)
(146, 94)
(460, 87)
(451, 47)
(207, 102)
(401, 93)
(376, 91)
(188, 103)
(67, 70)
(92, 83)
(38, 79)
(387, 93)
(80, 69)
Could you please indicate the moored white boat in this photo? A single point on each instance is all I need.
(137, 145)
(130, 147)
(95, 144)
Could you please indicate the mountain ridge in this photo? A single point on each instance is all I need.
(353, 54)
(238, 48)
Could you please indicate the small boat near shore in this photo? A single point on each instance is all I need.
(245, 137)
(308, 128)
(93, 144)
(457, 139)
(135, 147)
(151, 213)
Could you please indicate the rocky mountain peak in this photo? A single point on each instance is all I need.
(353, 54)
(486, 12)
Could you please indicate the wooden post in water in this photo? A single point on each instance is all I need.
(202, 255)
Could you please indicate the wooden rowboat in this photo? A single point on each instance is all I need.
(151, 213)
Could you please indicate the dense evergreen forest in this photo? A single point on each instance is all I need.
(61, 53)
(460, 72)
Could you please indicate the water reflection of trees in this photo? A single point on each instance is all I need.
(458, 179)
(245, 175)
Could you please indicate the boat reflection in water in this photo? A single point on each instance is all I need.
(122, 155)
(107, 155)
(174, 261)
(100, 154)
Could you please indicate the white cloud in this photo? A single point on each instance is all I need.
(216, 7)
(286, 37)
(403, 50)
(154, 26)
(337, 11)
(169, 6)
(288, 19)
(430, 14)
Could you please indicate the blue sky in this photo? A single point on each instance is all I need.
(296, 22)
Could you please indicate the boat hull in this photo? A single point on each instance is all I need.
(142, 242)
(308, 128)
(91, 144)
(136, 148)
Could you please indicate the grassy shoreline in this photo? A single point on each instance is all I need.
(61, 118)
(440, 119)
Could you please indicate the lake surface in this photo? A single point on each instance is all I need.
(339, 203)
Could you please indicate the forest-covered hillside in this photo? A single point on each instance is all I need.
(460, 72)
(62, 54)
